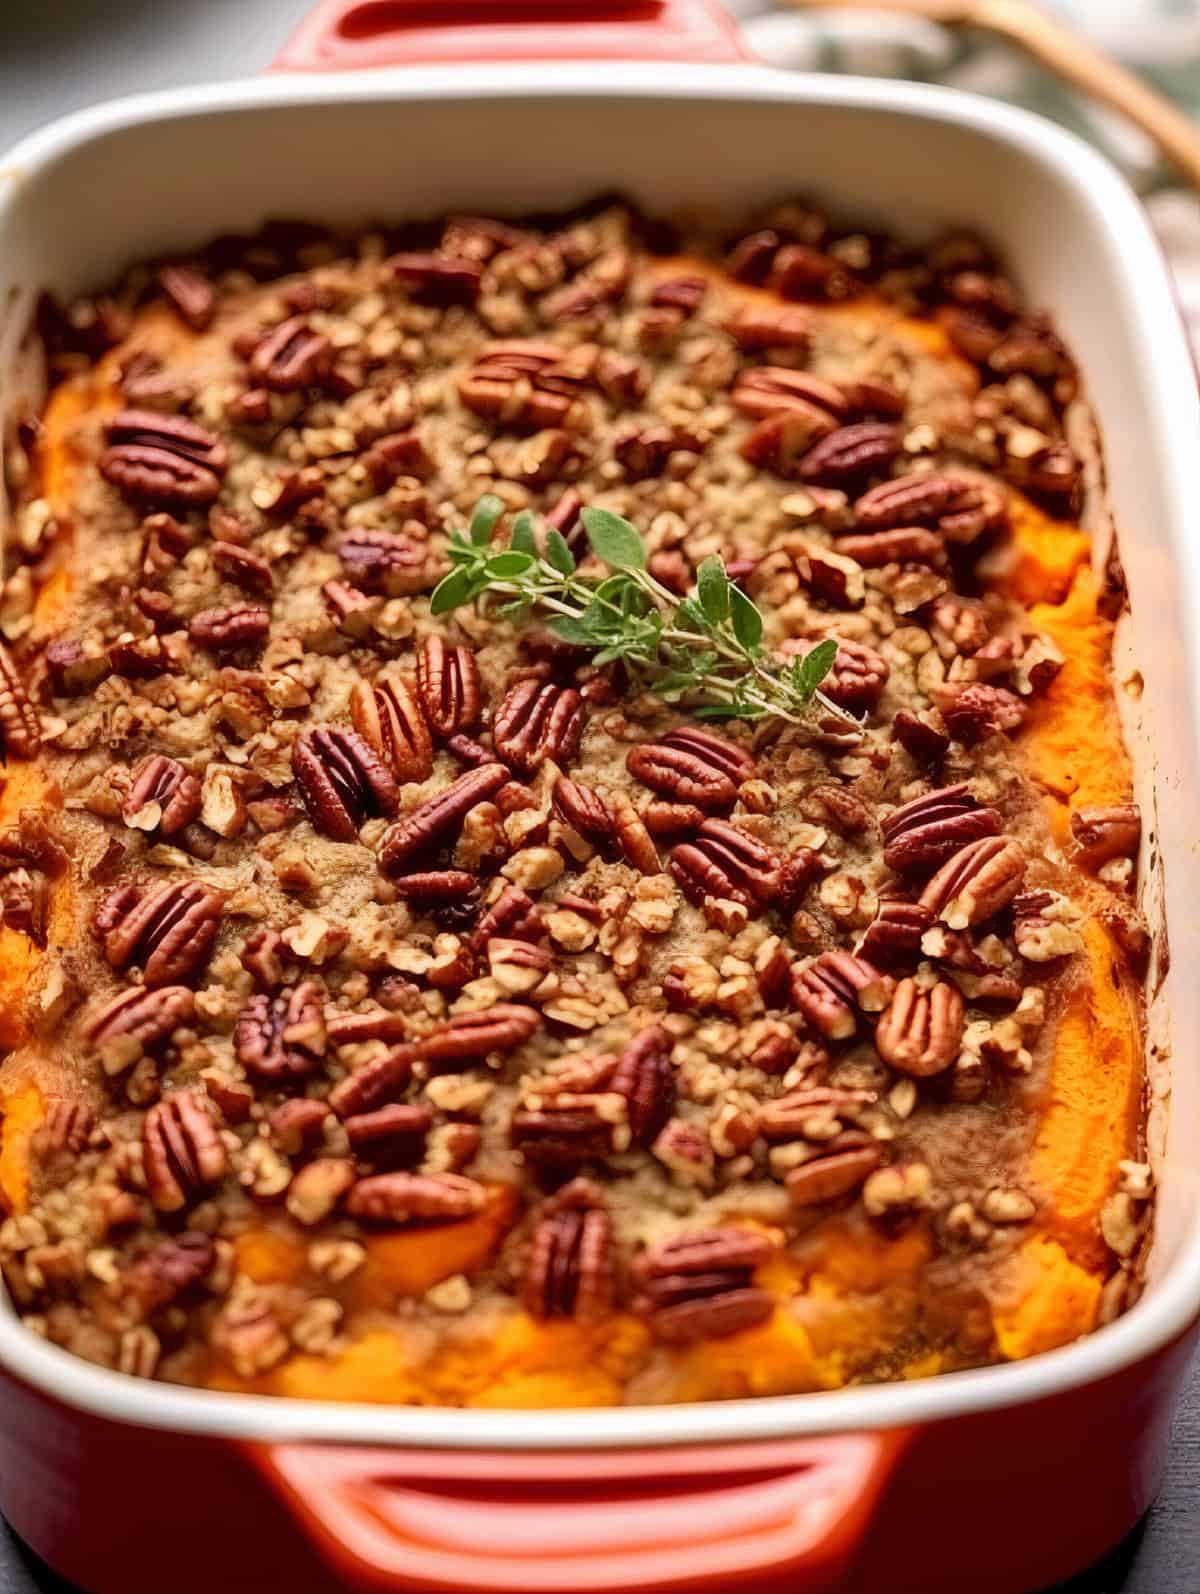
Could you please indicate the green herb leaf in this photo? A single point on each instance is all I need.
(713, 590)
(577, 632)
(509, 566)
(614, 540)
(523, 539)
(457, 588)
(689, 616)
(747, 622)
(809, 671)
(558, 556)
(484, 517)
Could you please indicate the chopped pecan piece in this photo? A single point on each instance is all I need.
(163, 459)
(315, 1192)
(920, 740)
(646, 452)
(223, 630)
(979, 880)
(978, 710)
(20, 727)
(291, 356)
(692, 766)
(415, 1197)
(162, 787)
(427, 827)
(685, 294)
(191, 294)
(698, 1285)
(170, 1269)
(64, 1131)
(858, 676)
(923, 833)
(833, 990)
(558, 1140)
(383, 561)
(514, 914)
(920, 1032)
(536, 722)
(282, 1038)
(182, 1152)
(140, 1018)
(169, 929)
(387, 715)
(645, 1078)
(806, 1113)
(438, 279)
(1104, 833)
(343, 780)
(450, 688)
(753, 328)
(726, 862)
(243, 567)
(569, 1272)
(298, 1125)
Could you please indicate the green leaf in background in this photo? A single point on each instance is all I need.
(614, 540)
(575, 631)
(747, 622)
(812, 669)
(484, 517)
(690, 616)
(712, 589)
(523, 539)
(558, 556)
(509, 566)
(458, 587)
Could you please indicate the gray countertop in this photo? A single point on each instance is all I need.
(62, 54)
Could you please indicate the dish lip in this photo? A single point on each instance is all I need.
(1171, 1305)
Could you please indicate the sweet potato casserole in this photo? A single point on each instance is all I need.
(567, 837)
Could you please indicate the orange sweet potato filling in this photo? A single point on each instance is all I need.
(866, 1286)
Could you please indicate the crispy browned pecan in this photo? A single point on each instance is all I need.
(169, 928)
(415, 1197)
(569, 1272)
(343, 780)
(692, 766)
(72, 671)
(645, 1078)
(376, 1082)
(64, 1131)
(515, 404)
(585, 810)
(163, 458)
(243, 567)
(174, 791)
(565, 518)
(920, 1032)
(765, 390)
(429, 826)
(727, 862)
(388, 716)
(315, 1192)
(842, 809)
(438, 279)
(977, 710)
(397, 454)
(142, 660)
(780, 441)
(433, 889)
(750, 258)
(838, 1169)
(979, 880)
(514, 914)
(1103, 833)
(262, 957)
(923, 833)
(291, 356)
(672, 819)
(646, 452)
(20, 728)
(634, 840)
(182, 1152)
(470, 1037)
(894, 935)
(858, 676)
(698, 1285)
(850, 453)
(390, 1135)
(679, 293)
(450, 688)
(538, 721)
(799, 271)
(1053, 471)
(383, 561)
(954, 504)
(351, 610)
(834, 989)
(480, 237)
(282, 1038)
(902, 545)
(558, 1140)
(170, 1269)
(754, 327)
(143, 1018)
(806, 1113)
(798, 871)
(223, 630)
(191, 294)
(298, 1126)
(920, 740)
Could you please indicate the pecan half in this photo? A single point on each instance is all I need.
(906, 545)
(243, 567)
(291, 356)
(979, 880)
(282, 1037)
(428, 826)
(389, 1135)
(1103, 833)
(645, 1078)
(343, 780)
(585, 811)
(646, 452)
(953, 504)
(834, 989)
(470, 1037)
(977, 710)
(894, 935)
(383, 561)
(807, 1113)
(538, 721)
(514, 914)
(64, 1131)
(169, 929)
(838, 1169)
(698, 1286)
(182, 1152)
(858, 676)
(767, 389)
(223, 630)
(170, 1269)
(372, 1085)
(569, 1272)
(920, 1032)
(753, 328)
(191, 294)
(141, 1018)
(415, 1197)
(437, 279)
(850, 453)
(450, 688)
(692, 766)
(921, 741)
(173, 790)
(20, 727)
(387, 715)
(726, 862)
(163, 458)
(923, 833)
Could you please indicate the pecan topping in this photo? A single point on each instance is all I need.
(557, 1140)
(858, 676)
(633, 838)
(432, 824)
(837, 1169)
(920, 1032)
(169, 929)
(807, 1113)
(438, 279)
(383, 561)
(536, 722)
(437, 890)
(569, 1272)
(409, 1197)
(921, 741)
(292, 355)
(192, 295)
(979, 880)
(765, 390)
(834, 989)
(753, 328)
(922, 834)
(906, 545)
(692, 766)
(182, 1152)
(242, 567)
(585, 811)
(698, 1286)
(282, 1037)
(343, 780)
(953, 504)
(163, 458)
(64, 1131)
(726, 862)
(514, 914)
(850, 453)
(450, 688)
(314, 1193)
(978, 710)
(646, 452)
(164, 796)
(389, 1135)
(386, 714)
(646, 1080)
(20, 728)
(1104, 833)
(170, 1269)
(142, 1019)
(894, 935)
(223, 630)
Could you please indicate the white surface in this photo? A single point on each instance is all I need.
(397, 143)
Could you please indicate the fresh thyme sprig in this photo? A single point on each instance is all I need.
(705, 649)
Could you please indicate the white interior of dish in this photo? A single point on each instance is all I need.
(82, 199)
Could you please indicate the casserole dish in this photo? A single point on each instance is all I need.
(789, 1510)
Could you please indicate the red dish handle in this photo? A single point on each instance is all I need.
(342, 35)
(712, 1517)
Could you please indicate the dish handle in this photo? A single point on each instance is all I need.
(590, 1522)
(342, 35)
